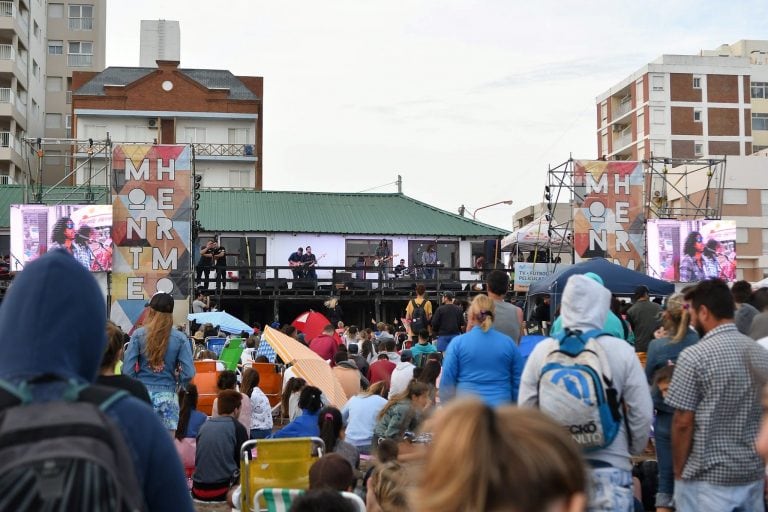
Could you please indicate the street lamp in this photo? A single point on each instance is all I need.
(474, 213)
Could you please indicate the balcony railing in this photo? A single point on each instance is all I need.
(7, 52)
(6, 95)
(205, 149)
(6, 140)
(69, 97)
(80, 23)
(624, 107)
(7, 10)
(623, 140)
(79, 60)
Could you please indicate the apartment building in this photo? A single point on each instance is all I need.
(688, 106)
(216, 111)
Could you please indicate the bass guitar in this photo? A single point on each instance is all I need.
(380, 261)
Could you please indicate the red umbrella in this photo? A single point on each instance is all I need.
(311, 324)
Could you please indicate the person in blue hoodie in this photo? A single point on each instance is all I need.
(56, 291)
(154, 355)
(306, 424)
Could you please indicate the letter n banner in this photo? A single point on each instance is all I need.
(152, 215)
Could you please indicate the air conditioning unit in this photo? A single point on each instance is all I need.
(152, 122)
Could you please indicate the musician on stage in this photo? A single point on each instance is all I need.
(429, 260)
(384, 257)
(294, 260)
(401, 269)
(308, 261)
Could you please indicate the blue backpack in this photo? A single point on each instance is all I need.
(576, 389)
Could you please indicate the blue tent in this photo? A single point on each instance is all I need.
(619, 280)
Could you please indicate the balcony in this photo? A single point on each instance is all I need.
(206, 151)
(80, 23)
(6, 96)
(79, 60)
(7, 10)
(69, 97)
(7, 52)
(623, 108)
(624, 139)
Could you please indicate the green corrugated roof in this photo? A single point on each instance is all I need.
(297, 212)
(328, 212)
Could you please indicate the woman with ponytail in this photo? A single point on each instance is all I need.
(663, 352)
(482, 362)
(506, 459)
(330, 423)
(305, 425)
(156, 355)
(402, 413)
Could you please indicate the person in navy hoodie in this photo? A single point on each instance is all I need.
(305, 425)
(70, 347)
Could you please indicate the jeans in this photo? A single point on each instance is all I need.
(610, 490)
(260, 433)
(443, 341)
(221, 278)
(662, 429)
(698, 496)
(204, 271)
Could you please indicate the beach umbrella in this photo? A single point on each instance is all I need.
(224, 320)
(311, 324)
(307, 365)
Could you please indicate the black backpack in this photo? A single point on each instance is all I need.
(418, 317)
(64, 454)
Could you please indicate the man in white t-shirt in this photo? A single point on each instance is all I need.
(402, 374)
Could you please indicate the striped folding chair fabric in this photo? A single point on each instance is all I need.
(276, 499)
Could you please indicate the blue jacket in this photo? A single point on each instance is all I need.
(305, 425)
(53, 320)
(485, 364)
(178, 354)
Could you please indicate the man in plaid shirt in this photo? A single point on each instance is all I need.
(717, 410)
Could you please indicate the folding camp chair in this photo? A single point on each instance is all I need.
(277, 500)
(206, 377)
(270, 381)
(280, 463)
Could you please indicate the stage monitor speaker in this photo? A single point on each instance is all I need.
(402, 285)
(280, 283)
(453, 286)
(358, 285)
(302, 284)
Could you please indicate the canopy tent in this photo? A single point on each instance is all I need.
(619, 280)
(535, 234)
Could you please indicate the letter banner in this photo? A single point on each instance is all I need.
(152, 216)
(608, 216)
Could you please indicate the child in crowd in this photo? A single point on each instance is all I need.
(228, 380)
(249, 353)
(289, 405)
(260, 424)
(305, 425)
(330, 424)
(502, 459)
(388, 489)
(360, 413)
(422, 348)
(332, 471)
(217, 455)
(403, 413)
(190, 421)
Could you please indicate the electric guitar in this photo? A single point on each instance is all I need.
(379, 261)
(310, 263)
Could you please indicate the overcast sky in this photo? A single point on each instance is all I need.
(470, 101)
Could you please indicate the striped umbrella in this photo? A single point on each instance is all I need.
(307, 365)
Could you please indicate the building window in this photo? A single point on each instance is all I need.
(80, 17)
(53, 120)
(55, 10)
(35, 69)
(755, 149)
(238, 136)
(240, 178)
(697, 115)
(759, 90)
(246, 251)
(658, 116)
(447, 255)
(194, 135)
(365, 249)
(53, 84)
(734, 196)
(698, 149)
(696, 82)
(55, 47)
(742, 236)
(68, 121)
(764, 202)
(36, 29)
(760, 121)
(657, 82)
(80, 54)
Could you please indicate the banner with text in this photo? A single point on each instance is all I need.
(152, 217)
(528, 273)
(608, 214)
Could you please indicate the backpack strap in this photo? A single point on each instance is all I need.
(101, 396)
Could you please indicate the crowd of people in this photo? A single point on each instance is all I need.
(458, 416)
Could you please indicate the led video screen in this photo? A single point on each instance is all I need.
(85, 231)
(689, 251)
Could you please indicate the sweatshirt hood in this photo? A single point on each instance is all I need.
(585, 303)
(53, 321)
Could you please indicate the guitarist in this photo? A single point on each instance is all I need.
(294, 260)
(308, 262)
(384, 255)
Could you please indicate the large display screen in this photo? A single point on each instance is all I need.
(85, 231)
(689, 251)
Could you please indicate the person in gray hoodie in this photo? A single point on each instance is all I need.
(585, 305)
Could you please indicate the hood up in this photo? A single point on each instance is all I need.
(585, 303)
(52, 320)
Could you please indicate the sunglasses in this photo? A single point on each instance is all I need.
(699, 239)
(70, 225)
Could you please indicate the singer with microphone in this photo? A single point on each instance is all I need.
(81, 249)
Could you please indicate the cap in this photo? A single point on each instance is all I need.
(275, 325)
(199, 336)
(448, 294)
(594, 277)
(162, 302)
